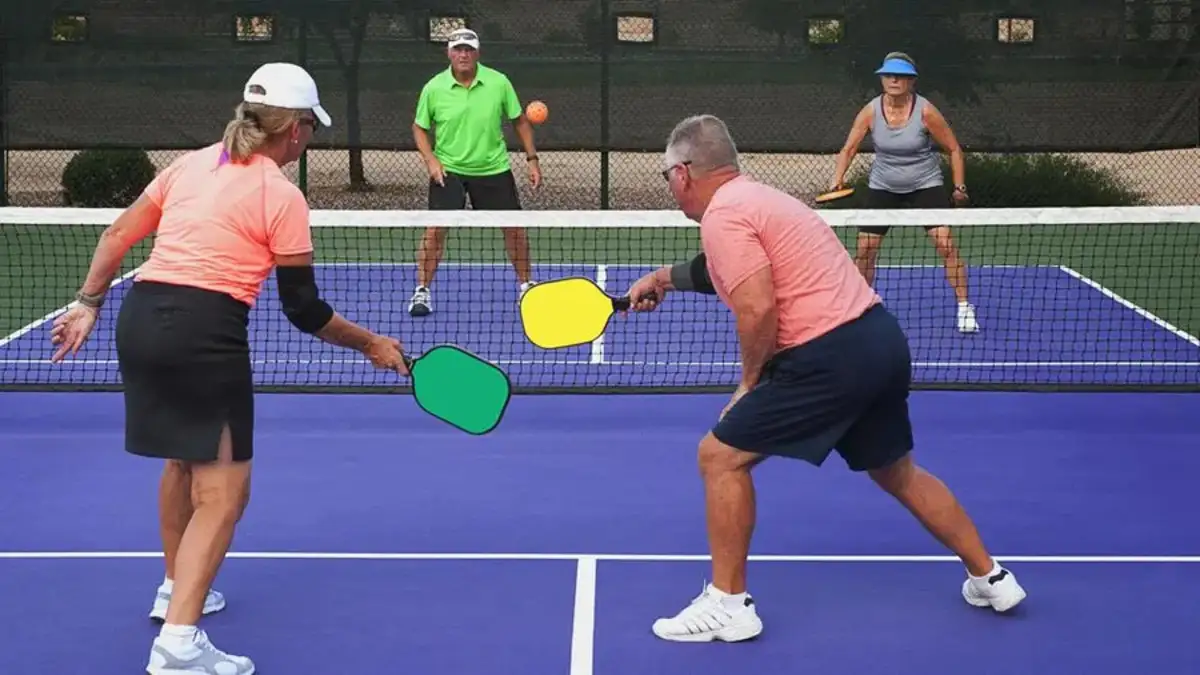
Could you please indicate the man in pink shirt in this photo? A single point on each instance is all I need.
(824, 367)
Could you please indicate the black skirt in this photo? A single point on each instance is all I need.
(185, 365)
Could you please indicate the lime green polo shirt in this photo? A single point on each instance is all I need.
(468, 132)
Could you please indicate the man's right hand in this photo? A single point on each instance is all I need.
(436, 173)
(646, 294)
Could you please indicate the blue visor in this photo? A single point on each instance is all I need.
(897, 67)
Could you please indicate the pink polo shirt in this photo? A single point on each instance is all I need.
(749, 226)
(223, 224)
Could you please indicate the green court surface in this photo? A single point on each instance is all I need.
(1155, 267)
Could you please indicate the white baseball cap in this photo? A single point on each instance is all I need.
(463, 36)
(285, 85)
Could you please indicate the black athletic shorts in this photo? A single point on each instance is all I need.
(846, 390)
(935, 197)
(497, 192)
(185, 366)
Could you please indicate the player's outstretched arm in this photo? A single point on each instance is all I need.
(304, 308)
(649, 292)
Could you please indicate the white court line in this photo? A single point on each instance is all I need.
(597, 355)
(54, 315)
(583, 630)
(599, 557)
(1145, 314)
(660, 364)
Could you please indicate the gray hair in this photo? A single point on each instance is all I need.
(705, 142)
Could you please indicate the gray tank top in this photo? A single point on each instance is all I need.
(906, 158)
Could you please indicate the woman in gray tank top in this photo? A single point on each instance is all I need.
(906, 172)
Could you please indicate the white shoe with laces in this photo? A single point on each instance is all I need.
(713, 615)
(998, 589)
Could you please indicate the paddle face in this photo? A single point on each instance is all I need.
(566, 312)
(461, 388)
(834, 195)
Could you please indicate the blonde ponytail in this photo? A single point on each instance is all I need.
(253, 127)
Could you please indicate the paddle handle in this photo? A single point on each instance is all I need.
(622, 304)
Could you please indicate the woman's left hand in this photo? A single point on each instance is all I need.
(71, 330)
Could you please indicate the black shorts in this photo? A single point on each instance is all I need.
(185, 365)
(846, 390)
(935, 197)
(497, 192)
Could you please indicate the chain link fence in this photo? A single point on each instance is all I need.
(1111, 87)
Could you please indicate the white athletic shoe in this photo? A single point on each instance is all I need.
(198, 657)
(213, 602)
(421, 303)
(713, 615)
(999, 590)
(967, 323)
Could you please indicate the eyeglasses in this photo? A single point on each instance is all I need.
(666, 173)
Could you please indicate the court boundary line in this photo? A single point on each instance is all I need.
(1140, 311)
(30, 327)
(583, 625)
(597, 557)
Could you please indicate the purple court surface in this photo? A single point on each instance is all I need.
(380, 541)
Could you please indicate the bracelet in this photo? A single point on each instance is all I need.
(93, 301)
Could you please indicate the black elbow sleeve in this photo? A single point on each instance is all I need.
(302, 303)
(701, 282)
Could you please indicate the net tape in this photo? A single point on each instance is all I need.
(1089, 298)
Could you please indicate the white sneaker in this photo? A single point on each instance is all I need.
(213, 602)
(421, 303)
(1000, 591)
(713, 615)
(198, 657)
(527, 285)
(967, 322)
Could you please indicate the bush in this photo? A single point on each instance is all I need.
(106, 178)
(1039, 180)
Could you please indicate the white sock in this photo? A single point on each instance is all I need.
(177, 636)
(168, 585)
(995, 570)
(729, 601)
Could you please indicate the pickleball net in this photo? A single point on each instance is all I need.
(1093, 298)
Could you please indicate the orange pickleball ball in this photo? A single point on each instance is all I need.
(537, 112)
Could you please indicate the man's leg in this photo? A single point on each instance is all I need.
(880, 441)
(499, 193)
(449, 197)
(724, 611)
(516, 245)
(935, 506)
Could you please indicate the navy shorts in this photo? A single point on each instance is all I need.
(846, 390)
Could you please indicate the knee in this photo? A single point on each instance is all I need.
(226, 495)
(868, 249)
(896, 477)
(943, 243)
(716, 458)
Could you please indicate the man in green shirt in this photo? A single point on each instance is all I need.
(466, 105)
